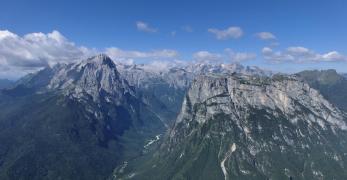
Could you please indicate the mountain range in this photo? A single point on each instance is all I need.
(102, 119)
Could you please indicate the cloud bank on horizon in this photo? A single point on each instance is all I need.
(20, 55)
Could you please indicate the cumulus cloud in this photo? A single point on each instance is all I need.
(22, 54)
(228, 55)
(300, 54)
(265, 36)
(231, 32)
(145, 27)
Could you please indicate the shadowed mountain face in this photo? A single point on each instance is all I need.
(248, 127)
(332, 85)
(75, 121)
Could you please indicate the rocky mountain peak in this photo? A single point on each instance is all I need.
(99, 60)
(92, 76)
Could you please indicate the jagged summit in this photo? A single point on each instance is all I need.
(101, 59)
(92, 76)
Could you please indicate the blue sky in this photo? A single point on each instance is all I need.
(314, 27)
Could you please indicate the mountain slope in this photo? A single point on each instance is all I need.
(74, 121)
(332, 85)
(52, 138)
(248, 127)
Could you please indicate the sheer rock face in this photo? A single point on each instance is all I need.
(287, 94)
(251, 127)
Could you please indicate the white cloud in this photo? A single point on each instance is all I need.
(6, 34)
(22, 54)
(142, 26)
(265, 36)
(334, 56)
(231, 32)
(298, 54)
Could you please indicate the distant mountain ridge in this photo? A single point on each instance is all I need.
(179, 75)
(332, 85)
